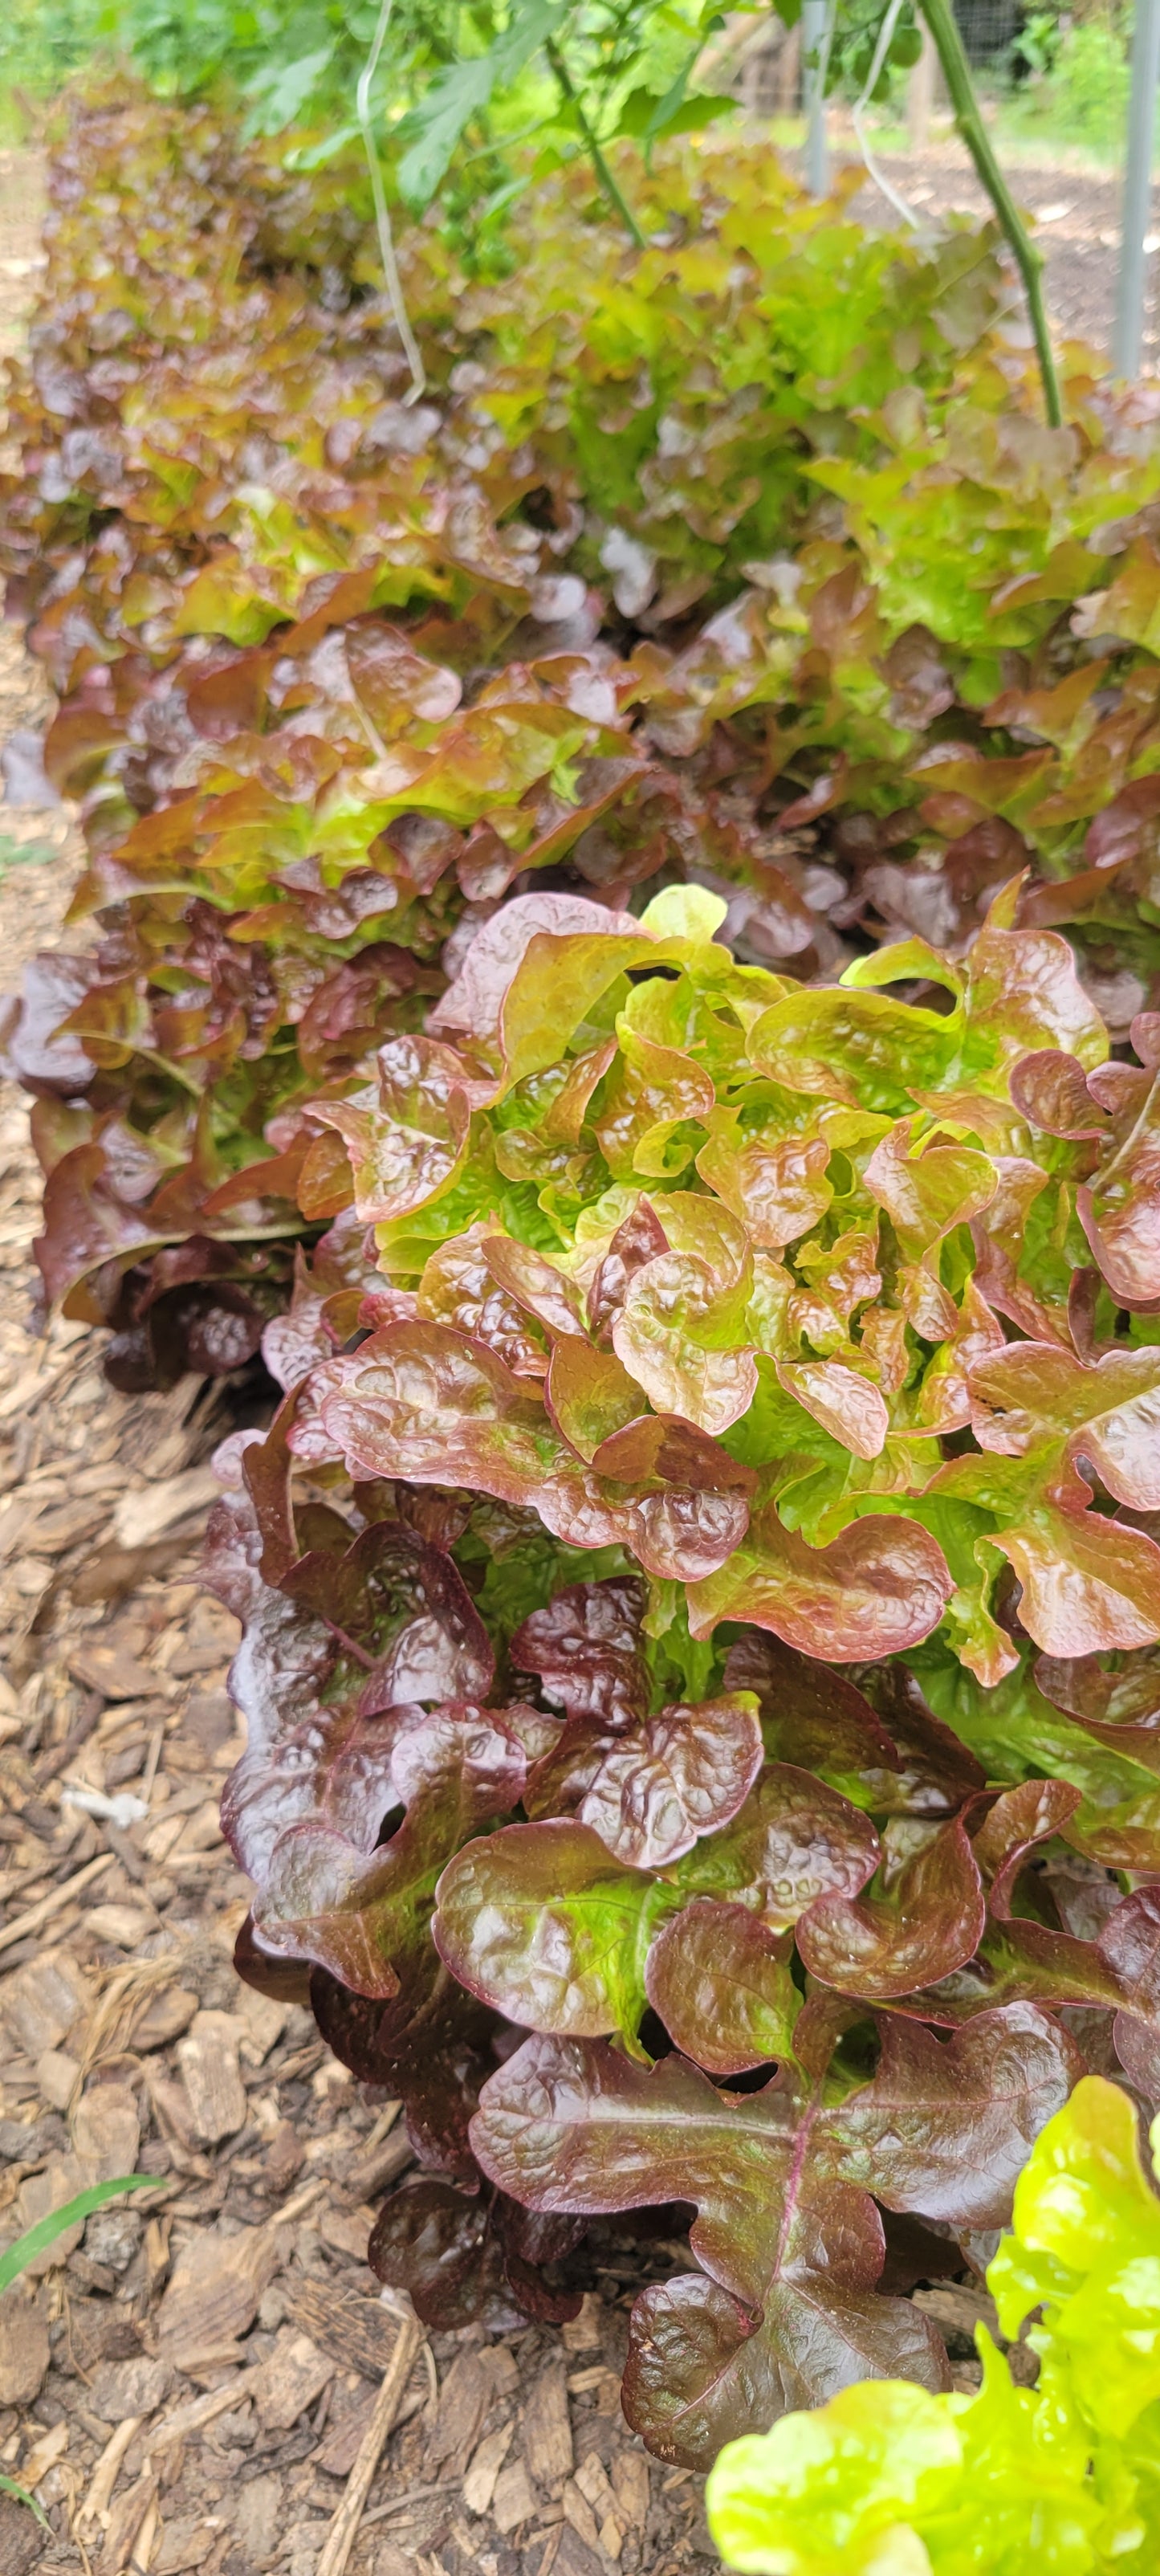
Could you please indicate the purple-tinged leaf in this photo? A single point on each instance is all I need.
(1108, 1412)
(722, 1987)
(540, 1922)
(534, 1283)
(661, 1446)
(585, 1646)
(1120, 1708)
(1088, 1583)
(926, 1194)
(681, 1332)
(776, 1184)
(459, 2258)
(425, 1403)
(786, 2227)
(926, 1918)
(846, 1404)
(814, 1717)
(474, 1002)
(1120, 1209)
(878, 1588)
(589, 1395)
(407, 1137)
(946, 2126)
(639, 1238)
(651, 1794)
(364, 1913)
(1051, 1090)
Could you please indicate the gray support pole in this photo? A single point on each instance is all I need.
(920, 94)
(1129, 332)
(813, 42)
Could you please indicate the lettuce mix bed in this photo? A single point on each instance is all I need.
(581, 869)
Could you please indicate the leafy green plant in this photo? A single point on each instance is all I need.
(580, 866)
(889, 2481)
(788, 1222)
(43, 41)
(16, 2258)
(1082, 96)
(682, 1271)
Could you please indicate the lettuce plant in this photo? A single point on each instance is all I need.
(481, 1800)
(888, 2480)
(717, 1269)
(683, 1380)
(700, 1591)
(650, 588)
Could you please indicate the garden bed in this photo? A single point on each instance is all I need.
(349, 668)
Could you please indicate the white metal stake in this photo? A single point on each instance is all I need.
(1129, 331)
(814, 51)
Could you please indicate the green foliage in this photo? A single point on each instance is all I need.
(42, 41)
(1080, 96)
(852, 46)
(36, 2240)
(888, 2481)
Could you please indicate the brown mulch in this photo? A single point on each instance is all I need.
(186, 2383)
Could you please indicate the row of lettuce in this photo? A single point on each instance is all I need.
(580, 868)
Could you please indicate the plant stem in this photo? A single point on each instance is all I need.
(382, 217)
(948, 45)
(599, 164)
